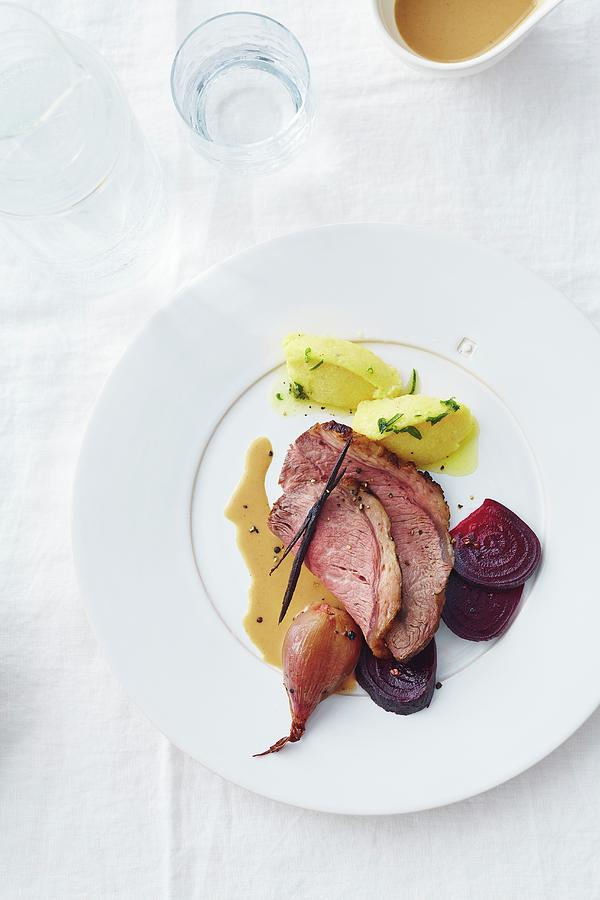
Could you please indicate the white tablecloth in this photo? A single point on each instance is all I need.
(94, 802)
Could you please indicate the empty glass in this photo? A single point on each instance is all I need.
(80, 191)
(241, 83)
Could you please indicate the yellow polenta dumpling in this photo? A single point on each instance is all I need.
(417, 428)
(337, 373)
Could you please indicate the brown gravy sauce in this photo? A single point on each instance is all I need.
(454, 30)
(249, 510)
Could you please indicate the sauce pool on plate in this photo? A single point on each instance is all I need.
(249, 511)
(455, 30)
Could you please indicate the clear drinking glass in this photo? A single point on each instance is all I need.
(80, 191)
(241, 83)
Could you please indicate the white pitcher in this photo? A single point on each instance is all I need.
(384, 15)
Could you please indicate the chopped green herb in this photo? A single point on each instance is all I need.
(307, 354)
(320, 363)
(388, 424)
(451, 404)
(435, 419)
(412, 384)
(370, 370)
(298, 391)
(414, 432)
(279, 396)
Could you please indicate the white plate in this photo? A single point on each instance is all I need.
(157, 563)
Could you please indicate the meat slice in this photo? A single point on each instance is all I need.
(351, 552)
(418, 515)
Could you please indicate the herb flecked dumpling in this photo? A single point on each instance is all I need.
(337, 373)
(417, 428)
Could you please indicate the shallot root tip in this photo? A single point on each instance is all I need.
(296, 732)
(274, 748)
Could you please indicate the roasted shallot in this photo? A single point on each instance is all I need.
(320, 650)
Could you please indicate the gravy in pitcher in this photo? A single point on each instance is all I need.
(454, 30)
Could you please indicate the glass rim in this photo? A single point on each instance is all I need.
(255, 144)
(66, 39)
(46, 26)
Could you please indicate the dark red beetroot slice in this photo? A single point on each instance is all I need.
(476, 613)
(401, 688)
(494, 548)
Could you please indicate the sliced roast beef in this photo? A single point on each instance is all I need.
(418, 514)
(351, 552)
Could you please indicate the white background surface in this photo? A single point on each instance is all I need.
(94, 802)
